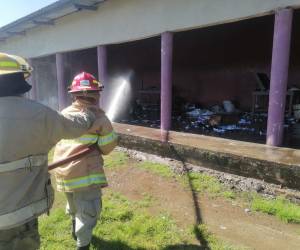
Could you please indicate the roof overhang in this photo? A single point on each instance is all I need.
(47, 16)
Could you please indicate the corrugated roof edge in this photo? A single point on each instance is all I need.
(58, 5)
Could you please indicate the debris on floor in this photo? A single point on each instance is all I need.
(218, 120)
(223, 120)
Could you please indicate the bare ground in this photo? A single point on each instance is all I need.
(226, 219)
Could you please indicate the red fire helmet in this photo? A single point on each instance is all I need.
(85, 82)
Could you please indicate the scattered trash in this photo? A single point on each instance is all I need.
(296, 109)
(219, 120)
(261, 133)
(215, 120)
(243, 121)
(217, 109)
(247, 210)
(219, 130)
(187, 127)
(228, 106)
(223, 227)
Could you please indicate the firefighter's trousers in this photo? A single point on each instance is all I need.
(85, 208)
(24, 237)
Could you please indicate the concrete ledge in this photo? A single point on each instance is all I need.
(272, 164)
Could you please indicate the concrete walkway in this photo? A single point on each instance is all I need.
(274, 164)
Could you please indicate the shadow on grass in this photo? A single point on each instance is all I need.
(101, 244)
(185, 247)
(199, 235)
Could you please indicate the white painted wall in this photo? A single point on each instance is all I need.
(118, 21)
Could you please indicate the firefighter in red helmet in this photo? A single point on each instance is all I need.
(81, 180)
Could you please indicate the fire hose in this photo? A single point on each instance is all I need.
(73, 157)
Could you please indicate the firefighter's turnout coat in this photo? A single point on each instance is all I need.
(86, 172)
(28, 130)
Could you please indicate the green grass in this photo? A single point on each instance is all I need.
(157, 168)
(280, 207)
(283, 209)
(55, 231)
(212, 242)
(134, 227)
(147, 200)
(204, 183)
(115, 159)
(123, 224)
(199, 182)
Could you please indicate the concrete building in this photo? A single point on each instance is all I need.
(200, 51)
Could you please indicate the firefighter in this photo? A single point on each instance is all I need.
(28, 130)
(81, 180)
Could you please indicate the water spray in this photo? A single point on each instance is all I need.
(111, 113)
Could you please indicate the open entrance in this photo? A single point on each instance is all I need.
(139, 63)
(221, 80)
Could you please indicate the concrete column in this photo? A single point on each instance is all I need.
(32, 94)
(61, 80)
(166, 84)
(102, 73)
(279, 75)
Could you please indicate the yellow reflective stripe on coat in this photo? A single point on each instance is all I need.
(81, 182)
(106, 139)
(87, 139)
(84, 139)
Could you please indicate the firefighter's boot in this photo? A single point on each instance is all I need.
(73, 229)
(84, 248)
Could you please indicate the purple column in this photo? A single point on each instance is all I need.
(102, 73)
(62, 90)
(279, 75)
(166, 84)
(33, 92)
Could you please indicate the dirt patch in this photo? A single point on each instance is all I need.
(224, 218)
(235, 182)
